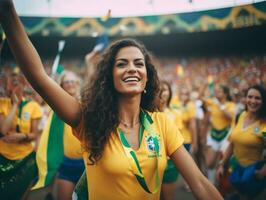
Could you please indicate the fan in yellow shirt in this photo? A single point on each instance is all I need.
(112, 164)
(189, 129)
(247, 142)
(222, 110)
(19, 127)
(170, 176)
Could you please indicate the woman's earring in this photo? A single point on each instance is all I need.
(145, 91)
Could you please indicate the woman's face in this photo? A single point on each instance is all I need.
(184, 95)
(70, 84)
(165, 93)
(129, 71)
(219, 93)
(253, 100)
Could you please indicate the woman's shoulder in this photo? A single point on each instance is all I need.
(263, 125)
(34, 103)
(160, 119)
(155, 116)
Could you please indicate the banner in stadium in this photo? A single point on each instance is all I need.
(210, 20)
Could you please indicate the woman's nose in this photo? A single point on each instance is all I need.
(132, 68)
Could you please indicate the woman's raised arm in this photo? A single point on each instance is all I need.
(66, 106)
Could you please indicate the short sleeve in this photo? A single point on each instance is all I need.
(37, 112)
(231, 108)
(192, 110)
(173, 137)
(236, 120)
(263, 131)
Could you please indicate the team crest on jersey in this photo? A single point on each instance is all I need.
(26, 116)
(150, 143)
(256, 130)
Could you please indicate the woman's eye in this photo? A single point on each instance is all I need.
(120, 64)
(139, 64)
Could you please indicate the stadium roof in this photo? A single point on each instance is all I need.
(119, 8)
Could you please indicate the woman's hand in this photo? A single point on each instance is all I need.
(219, 172)
(14, 138)
(261, 173)
(27, 58)
(15, 98)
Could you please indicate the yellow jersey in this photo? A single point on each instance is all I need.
(188, 112)
(72, 146)
(17, 151)
(248, 141)
(112, 177)
(217, 117)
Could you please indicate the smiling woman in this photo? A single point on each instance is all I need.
(247, 143)
(254, 101)
(122, 76)
(122, 162)
(130, 74)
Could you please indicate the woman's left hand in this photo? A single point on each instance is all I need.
(14, 138)
(261, 173)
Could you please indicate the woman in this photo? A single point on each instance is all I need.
(247, 143)
(72, 165)
(170, 174)
(59, 150)
(126, 143)
(189, 128)
(19, 119)
(221, 110)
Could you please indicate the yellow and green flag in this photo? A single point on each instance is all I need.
(211, 85)
(81, 189)
(50, 151)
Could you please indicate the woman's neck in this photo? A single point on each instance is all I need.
(252, 116)
(129, 109)
(163, 108)
(222, 100)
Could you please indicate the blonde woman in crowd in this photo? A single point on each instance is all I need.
(59, 150)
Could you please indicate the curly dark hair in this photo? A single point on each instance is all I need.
(262, 109)
(100, 98)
